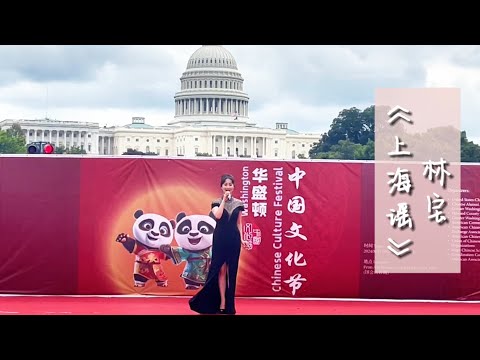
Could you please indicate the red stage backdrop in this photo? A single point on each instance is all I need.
(101, 226)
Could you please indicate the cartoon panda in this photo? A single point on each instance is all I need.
(150, 231)
(194, 236)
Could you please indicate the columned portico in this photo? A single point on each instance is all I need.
(238, 145)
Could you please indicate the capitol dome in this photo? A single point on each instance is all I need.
(212, 56)
(211, 90)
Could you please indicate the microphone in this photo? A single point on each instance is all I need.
(229, 196)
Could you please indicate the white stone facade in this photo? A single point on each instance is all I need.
(85, 135)
(211, 117)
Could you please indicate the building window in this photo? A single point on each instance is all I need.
(293, 154)
(228, 151)
(216, 151)
(166, 152)
(196, 150)
(276, 141)
(148, 140)
(89, 147)
(276, 152)
(196, 139)
(158, 140)
(147, 149)
(303, 145)
(166, 140)
(128, 139)
(136, 140)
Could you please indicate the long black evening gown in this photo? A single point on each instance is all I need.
(226, 249)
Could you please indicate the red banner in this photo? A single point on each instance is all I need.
(39, 217)
(97, 226)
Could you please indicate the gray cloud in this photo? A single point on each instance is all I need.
(326, 75)
(91, 76)
(54, 63)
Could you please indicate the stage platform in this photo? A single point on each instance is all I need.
(160, 305)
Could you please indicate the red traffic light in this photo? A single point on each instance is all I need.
(48, 149)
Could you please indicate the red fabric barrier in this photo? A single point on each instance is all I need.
(310, 226)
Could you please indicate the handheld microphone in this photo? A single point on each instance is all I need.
(229, 196)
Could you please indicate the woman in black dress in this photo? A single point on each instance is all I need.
(218, 294)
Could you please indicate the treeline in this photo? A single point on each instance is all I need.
(352, 137)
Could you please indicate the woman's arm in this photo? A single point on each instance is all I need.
(218, 210)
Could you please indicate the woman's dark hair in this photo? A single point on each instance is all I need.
(226, 177)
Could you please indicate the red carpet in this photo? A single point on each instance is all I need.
(93, 305)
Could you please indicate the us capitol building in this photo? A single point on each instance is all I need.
(211, 117)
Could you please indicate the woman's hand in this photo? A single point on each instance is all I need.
(226, 195)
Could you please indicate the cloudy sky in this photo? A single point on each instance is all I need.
(304, 85)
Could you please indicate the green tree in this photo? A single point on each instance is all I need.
(352, 136)
(137, 152)
(75, 150)
(345, 149)
(16, 131)
(133, 152)
(470, 152)
(352, 124)
(368, 150)
(60, 150)
(71, 150)
(12, 141)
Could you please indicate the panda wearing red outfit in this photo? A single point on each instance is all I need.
(150, 231)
